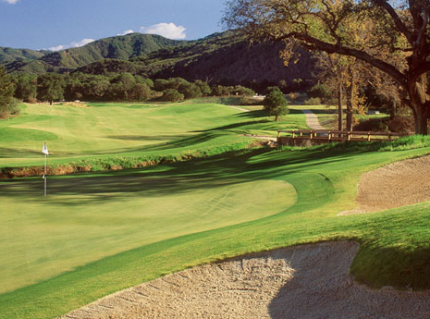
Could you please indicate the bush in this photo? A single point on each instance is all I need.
(250, 101)
(171, 95)
(402, 124)
(142, 92)
(191, 91)
(220, 90)
(313, 101)
(275, 103)
(319, 91)
(399, 124)
(374, 125)
(14, 108)
(243, 91)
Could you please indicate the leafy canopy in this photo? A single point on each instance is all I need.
(275, 103)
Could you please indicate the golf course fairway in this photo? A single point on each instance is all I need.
(97, 234)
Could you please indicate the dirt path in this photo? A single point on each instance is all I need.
(309, 281)
(237, 108)
(398, 184)
(312, 120)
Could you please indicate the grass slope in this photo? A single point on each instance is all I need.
(114, 131)
(239, 202)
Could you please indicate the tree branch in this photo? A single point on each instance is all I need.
(316, 44)
(397, 21)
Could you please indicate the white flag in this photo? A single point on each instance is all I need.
(45, 149)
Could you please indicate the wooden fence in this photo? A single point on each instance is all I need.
(297, 137)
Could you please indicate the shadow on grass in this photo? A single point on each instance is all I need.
(217, 171)
(15, 153)
(145, 138)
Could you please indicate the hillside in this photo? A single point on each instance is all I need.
(119, 47)
(9, 55)
(223, 58)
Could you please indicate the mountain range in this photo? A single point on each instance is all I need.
(222, 58)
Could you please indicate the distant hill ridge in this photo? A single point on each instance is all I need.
(225, 58)
(118, 47)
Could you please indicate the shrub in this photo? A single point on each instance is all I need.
(14, 108)
(243, 91)
(171, 95)
(191, 91)
(142, 92)
(275, 103)
(401, 124)
(250, 101)
(313, 101)
(319, 91)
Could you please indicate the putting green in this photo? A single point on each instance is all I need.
(85, 219)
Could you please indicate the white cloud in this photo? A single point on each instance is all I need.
(11, 1)
(74, 44)
(57, 48)
(81, 43)
(126, 32)
(167, 30)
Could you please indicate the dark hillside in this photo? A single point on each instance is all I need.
(223, 58)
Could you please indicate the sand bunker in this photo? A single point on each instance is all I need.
(398, 184)
(308, 281)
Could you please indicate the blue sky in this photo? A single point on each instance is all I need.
(58, 24)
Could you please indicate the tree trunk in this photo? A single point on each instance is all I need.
(419, 101)
(393, 110)
(339, 106)
(421, 118)
(350, 98)
(349, 107)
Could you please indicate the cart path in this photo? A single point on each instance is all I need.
(312, 120)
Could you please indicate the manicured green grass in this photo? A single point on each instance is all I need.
(77, 223)
(96, 234)
(86, 219)
(106, 131)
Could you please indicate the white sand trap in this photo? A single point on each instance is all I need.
(398, 184)
(309, 281)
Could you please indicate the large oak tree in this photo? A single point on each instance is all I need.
(392, 36)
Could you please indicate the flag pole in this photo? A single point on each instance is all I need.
(45, 151)
(44, 176)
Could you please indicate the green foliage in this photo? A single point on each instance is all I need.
(25, 86)
(172, 95)
(6, 92)
(320, 91)
(275, 103)
(243, 91)
(142, 92)
(204, 87)
(50, 87)
(313, 101)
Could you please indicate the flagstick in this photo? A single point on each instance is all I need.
(44, 176)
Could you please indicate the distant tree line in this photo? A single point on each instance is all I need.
(52, 87)
(7, 103)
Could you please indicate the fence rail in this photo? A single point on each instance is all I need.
(336, 136)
